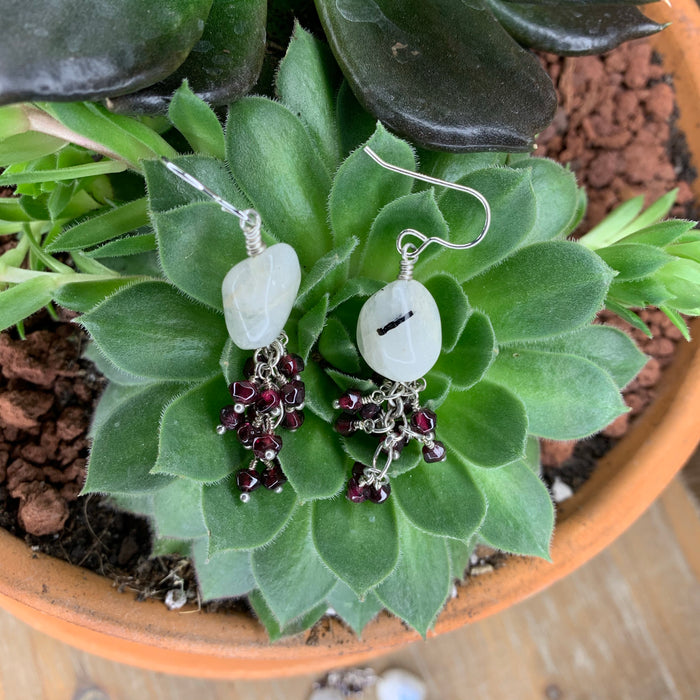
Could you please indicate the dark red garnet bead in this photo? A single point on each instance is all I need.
(370, 410)
(229, 418)
(247, 480)
(290, 365)
(293, 393)
(267, 447)
(355, 492)
(424, 421)
(246, 434)
(268, 400)
(345, 424)
(293, 420)
(436, 453)
(378, 494)
(243, 392)
(351, 401)
(358, 470)
(273, 477)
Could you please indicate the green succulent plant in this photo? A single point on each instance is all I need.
(521, 356)
(446, 74)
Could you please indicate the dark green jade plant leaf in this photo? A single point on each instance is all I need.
(134, 54)
(521, 355)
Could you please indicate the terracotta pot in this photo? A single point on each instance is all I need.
(84, 610)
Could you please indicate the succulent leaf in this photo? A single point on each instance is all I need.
(354, 611)
(226, 574)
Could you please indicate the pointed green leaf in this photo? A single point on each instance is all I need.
(177, 510)
(321, 391)
(84, 296)
(418, 587)
(605, 346)
(633, 260)
(125, 443)
(486, 425)
(102, 167)
(151, 330)
(437, 389)
(353, 611)
(22, 300)
(273, 628)
(454, 308)
(221, 575)
(567, 397)
(127, 245)
(520, 516)
(189, 444)
(310, 326)
(31, 145)
(102, 227)
(275, 164)
(114, 374)
(290, 563)
(556, 199)
(136, 503)
(473, 354)
(236, 525)
(323, 276)
(306, 82)
(628, 316)
(441, 499)
(112, 397)
(354, 123)
(459, 552)
(313, 459)
(378, 256)
(355, 287)
(232, 361)
(544, 289)
(196, 121)
(361, 187)
(337, 348)
(611, 228)
(358, 542)
(454, 166)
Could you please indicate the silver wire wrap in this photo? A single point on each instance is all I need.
(249, 218)
(409, 251)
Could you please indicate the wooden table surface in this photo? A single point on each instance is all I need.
(624, 627)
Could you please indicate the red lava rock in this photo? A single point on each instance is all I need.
(650, 373)
(659, 347)
(38, 359)
(21, 472)
(4, 459)
(602, 168)
(71, 423)
(34, 453)
(553, 453)
(43, 511)
(21, 409)
(660, 102)
(618, 427)
(71, 490)
(637, 73)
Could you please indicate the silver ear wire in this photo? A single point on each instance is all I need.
(249, 218)
(409, 251)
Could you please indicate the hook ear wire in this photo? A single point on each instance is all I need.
(442, 183)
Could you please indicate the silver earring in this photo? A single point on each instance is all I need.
(400, 336)
(258, 294)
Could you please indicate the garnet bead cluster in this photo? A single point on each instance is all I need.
(270, 397)
(393, 413)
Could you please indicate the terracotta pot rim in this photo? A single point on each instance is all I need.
(85, 610)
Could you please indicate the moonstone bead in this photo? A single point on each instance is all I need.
(399, 332)
(258, 294)
(397, 684)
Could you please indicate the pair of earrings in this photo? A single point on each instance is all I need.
(398, 334)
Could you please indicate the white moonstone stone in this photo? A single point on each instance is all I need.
(397, 684)
(258, 295)
(399, 332)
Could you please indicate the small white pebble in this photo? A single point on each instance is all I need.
(453, 593)
(397, 684)
(481, 569)
(473, 560)
(560, 490)
(175, 598)
(326, 694)
(331, 612)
